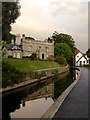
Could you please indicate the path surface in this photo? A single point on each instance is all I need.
(76, 103)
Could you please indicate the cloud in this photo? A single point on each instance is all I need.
(40, 19)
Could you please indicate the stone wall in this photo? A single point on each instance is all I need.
(38, 47)
(48, 72)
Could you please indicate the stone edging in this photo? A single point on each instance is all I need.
(54, 108)
(29, 82)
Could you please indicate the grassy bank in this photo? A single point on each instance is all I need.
(14, 71)
(87, 66)
(27, 65)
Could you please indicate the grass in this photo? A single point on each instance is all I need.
(87, 66)
(24, 65)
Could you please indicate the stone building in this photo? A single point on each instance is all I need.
(23, 47)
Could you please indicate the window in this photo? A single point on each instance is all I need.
(18, 55)
(14, 54)
(84, 62)
(46, 49)
(30, 48)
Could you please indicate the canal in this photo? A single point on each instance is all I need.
(32, 101)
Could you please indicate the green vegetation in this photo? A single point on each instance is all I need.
(87, 66)
(61, 60)
(10, 75)
(39, 75)
(63, 38)
(88, 53)
(25, 65)
(62, 49)
(15, 71)
(54, 71)
(64, 45)
(10, 12)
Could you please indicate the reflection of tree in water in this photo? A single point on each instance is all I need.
(12, 102)
(61, 84)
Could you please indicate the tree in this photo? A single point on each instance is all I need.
(62, 49)
(63, 38)
(10, 12)
(88, 53)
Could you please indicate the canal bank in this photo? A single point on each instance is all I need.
(32, 101)
(52, 72)
(56, 105)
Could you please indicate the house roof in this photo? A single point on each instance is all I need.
(77, 51)
(13, 47)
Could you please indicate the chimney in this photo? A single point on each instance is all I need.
(12, 41)
(18, 39)
(23, 37)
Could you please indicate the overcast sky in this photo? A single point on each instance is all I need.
(40, 18)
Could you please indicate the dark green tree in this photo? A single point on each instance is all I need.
(63, 38)
(10, 12)
(88, 53)
(62, 49)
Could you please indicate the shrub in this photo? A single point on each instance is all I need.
(10, 75)
(33, 56)
(39, 75)
(51, 58)
(61, 60)
(54, 71)
(10, 56)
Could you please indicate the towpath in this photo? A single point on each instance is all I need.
(76, 103)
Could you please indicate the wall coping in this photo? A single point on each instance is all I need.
(49, 69)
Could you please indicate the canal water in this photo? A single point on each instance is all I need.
(34, 100)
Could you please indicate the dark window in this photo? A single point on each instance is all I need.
(83, 61)
(42, 56)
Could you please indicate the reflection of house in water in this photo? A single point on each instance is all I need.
(45, 92)
(75, 74)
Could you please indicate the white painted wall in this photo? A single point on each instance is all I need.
(82, 59)
(78, 56)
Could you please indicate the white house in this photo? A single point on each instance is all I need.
(80, 58)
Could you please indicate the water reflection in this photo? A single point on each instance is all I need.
(34, 100)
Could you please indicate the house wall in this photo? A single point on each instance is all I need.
(9, 52)
(78, 56)
(32, 46)
(16, 53)
(82, 60)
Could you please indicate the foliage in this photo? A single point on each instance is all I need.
(10, 75)
(51, 58)
(10, 12)
(39, 75)
(10, 56)
(61, 60)
(3, 43)
(26, 65)
(54, 71)
(62, 49)
(63, 38)
(87, 66)
(33, 56)
(88, 53)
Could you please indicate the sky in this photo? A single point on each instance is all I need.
(40, 18)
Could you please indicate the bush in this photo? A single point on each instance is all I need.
(33, 56)
(61, 60)
(39, 75)
(10, 75)
(54, 71)
(51, 58)
(10, 56)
